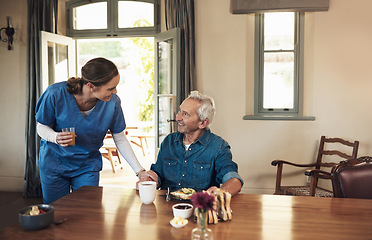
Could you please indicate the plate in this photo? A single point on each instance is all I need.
(174, 198)
(177, 198)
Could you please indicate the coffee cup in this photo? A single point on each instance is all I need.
(147, 191)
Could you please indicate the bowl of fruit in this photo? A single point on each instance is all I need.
(36, 216)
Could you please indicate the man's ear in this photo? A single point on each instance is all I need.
(204, 124)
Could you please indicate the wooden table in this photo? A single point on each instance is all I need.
(117, 213)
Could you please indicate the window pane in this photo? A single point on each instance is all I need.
(135, 14)
(90, 16)
(279, 31)
(57, 62)
(165, 61)
(166, 109)
(278, 89)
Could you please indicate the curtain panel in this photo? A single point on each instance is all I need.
(42, 15)
(180, 13)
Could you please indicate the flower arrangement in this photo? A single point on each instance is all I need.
(202, 202)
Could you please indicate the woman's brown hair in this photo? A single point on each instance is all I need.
(97, 71)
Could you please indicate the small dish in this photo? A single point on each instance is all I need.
(183, 210)
(177, 224)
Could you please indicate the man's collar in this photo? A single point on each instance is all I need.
(203, 139)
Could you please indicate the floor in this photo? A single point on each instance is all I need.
(11, 202)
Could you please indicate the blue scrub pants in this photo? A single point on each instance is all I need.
(55, 187)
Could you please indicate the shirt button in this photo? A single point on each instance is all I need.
(169, 164)
(185, 161)
(189, 149)
(201, 167)
(183, 175)
(179, 184)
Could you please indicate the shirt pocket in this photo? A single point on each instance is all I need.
(201, 173)
(170, 168)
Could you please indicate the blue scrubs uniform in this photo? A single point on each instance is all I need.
(62, 168)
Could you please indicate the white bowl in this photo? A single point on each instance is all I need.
(183, 210)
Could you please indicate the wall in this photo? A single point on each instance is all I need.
(13, 95)
(337, 84)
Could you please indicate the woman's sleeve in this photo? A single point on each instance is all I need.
(45, 108)
(126, 151)
(46, 133)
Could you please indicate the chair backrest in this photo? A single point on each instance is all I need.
(353, 178)
(339, 151)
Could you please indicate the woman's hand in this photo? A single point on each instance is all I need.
(147, 176)
(63, 138)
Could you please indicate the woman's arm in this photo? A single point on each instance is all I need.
(126, 151)
(47, 133)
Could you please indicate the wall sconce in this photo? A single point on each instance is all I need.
(9, 31)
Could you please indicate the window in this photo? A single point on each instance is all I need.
(105, 18)
(279, 66)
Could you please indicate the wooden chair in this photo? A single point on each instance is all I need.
(312, 168)
(353, 178)
(111, 152)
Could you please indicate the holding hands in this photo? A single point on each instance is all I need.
(147, 176)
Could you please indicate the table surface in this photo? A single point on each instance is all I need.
(117, 213)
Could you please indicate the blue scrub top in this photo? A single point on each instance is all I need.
(58, 109)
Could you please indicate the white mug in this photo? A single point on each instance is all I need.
(147, 191)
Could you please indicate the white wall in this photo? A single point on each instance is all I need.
(12, 96)
(337, 88)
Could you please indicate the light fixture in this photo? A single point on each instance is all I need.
(9, 31)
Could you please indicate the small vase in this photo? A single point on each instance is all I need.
(202, 232)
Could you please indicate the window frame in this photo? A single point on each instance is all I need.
(112, 29)
(279, 114)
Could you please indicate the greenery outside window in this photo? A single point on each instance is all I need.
(279, 39)
(105, 18)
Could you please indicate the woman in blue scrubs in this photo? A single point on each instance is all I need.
(91, 106)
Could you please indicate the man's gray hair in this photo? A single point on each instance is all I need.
(208, 109)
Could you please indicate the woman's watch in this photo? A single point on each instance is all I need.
(142, 170)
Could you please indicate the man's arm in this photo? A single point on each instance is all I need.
(233, 186)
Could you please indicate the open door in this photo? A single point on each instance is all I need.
(167, 90)
(57, 58)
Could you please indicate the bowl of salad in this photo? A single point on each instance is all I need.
(36, 216)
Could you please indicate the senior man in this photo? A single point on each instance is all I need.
(194, 157)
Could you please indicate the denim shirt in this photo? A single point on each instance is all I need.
(207, 162)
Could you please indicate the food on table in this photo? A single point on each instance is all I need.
(183, 206)
(179, 220)
(34, 211)
(222, 210)
(184, 193)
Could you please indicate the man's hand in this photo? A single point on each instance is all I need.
(147, 176)
(212, 190)
(233, 186)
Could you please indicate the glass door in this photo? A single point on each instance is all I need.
(57, 58)
(167, 75)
